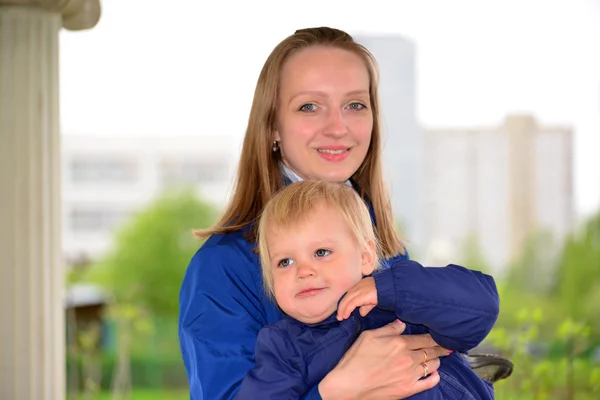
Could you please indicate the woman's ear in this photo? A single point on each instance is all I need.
(276, 136)
(369, 258)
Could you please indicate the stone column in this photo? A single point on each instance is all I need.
(32, 324)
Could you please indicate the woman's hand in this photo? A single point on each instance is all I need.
(363, 295)
(382, 364)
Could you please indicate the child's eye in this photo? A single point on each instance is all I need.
(322, 253)
(286, 262)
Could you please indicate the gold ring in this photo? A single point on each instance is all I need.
(426, 356)
(425, 370)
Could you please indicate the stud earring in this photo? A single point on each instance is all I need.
(275, 146)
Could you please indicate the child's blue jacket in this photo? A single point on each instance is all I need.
(292, 357)
(223, 306)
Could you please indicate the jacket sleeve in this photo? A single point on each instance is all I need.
(277, 374)
(458, 306)
(220, 316)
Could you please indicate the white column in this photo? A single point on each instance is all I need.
(32, 355)
(32, 325)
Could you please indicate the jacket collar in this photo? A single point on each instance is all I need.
(290, 176)
(331, 321)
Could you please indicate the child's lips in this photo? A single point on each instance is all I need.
(310, 292)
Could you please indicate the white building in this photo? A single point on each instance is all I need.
(105, 179)
(497, 185)
(403, 140)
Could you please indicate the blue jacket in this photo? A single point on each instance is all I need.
(292, 357)
(223, 306)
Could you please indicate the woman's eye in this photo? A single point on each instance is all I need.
(322, 253)
(357, 106)
(286, 262)
(308, 107)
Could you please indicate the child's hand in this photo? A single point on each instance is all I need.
(363, 295)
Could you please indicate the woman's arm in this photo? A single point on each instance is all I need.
(383, 364)
(220, 317)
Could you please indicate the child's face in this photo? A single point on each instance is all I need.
(314, 263)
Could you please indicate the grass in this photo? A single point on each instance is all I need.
(151, 394)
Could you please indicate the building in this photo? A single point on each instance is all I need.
(106, 179)
(497, 185)
(403, 152)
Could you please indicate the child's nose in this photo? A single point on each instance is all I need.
(305, 270)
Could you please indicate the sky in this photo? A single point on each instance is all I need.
(185, 67)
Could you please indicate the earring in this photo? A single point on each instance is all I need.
(275, 146)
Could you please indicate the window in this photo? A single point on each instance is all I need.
(103, 169)
(192, 171)
(95, 220)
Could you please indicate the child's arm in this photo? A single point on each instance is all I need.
(458, 306)
(275, 375)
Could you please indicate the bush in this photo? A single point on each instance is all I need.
(146, 372)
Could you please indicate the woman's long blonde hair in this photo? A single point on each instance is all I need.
(259, 175)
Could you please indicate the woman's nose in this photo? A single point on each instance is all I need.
(336, 124)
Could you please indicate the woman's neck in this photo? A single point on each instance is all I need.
(294, 177)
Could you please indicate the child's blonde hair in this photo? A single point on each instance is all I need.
(294, 202)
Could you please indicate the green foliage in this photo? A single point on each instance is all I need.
(151, 254)
(147, 371)
(578, 282)
(548, 327)
(145, 394)
(544, 377)
(472, 256)
(535, 268)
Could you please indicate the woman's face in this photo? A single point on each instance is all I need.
(324, 113)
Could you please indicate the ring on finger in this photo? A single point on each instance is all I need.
(426, 356)
(425, 370)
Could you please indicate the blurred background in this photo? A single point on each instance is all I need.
(492, 155)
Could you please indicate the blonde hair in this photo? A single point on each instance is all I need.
(296, 201)
(259, 176)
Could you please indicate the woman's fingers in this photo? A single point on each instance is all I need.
(380, 365)
(426, 368)
(416, 342)
(393, 328)
(427, 383)
(428, 353)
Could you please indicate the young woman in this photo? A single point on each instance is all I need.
(314, 116)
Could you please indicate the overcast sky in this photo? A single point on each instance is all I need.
(185, 67)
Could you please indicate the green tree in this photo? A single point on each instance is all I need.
(534, 269)
(151, 253)
(578, 277)
(143, 274)
(471, 255)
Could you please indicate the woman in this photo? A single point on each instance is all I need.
(314, 116)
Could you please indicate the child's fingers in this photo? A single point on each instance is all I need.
(347, 305)
(364, 310)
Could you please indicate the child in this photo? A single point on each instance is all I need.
(319, 261)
